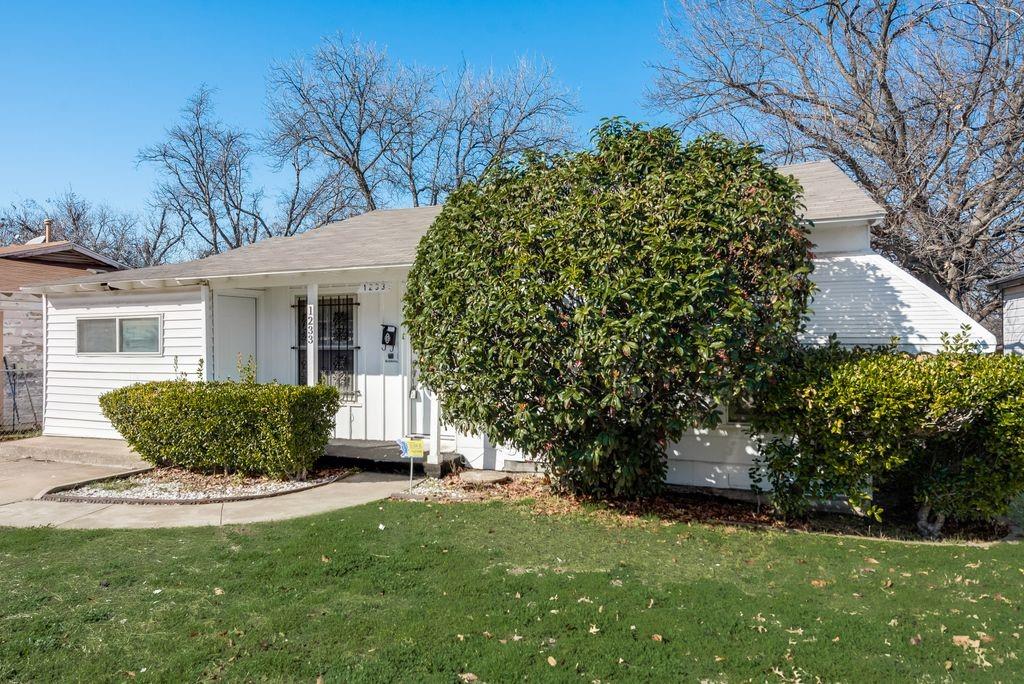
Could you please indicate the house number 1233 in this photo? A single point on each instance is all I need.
(310, 325)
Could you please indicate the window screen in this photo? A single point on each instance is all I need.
(140, 335)
(119, 335)
(97, 335)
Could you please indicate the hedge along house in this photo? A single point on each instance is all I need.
(328, 305)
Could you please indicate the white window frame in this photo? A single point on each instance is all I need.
(117, 334)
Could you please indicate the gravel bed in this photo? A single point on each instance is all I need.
(176, 484)
(448, 489)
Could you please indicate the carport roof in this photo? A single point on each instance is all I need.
(389, 237)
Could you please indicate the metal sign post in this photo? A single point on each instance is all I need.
(411, 449)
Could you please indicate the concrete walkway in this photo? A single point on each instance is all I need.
(86, 450)
(22, 480)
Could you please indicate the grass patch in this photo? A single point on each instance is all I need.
(492, 589)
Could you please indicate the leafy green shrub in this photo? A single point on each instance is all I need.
(277, 430)
(945, 431)
(587, 308)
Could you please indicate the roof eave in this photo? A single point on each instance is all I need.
(48, 248)
(1007, 281)
(161, 283)
(837, 220)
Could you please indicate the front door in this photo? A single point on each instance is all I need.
(234, 335)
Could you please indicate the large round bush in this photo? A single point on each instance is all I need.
(587, 308)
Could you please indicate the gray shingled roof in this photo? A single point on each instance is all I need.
(389, 237)
(829, 194)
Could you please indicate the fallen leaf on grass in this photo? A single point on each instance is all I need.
(915, 640)
(551, 661)
(965, 642)
(468, 677)
(594, 629)
(325, 559)
(656, 637)
(818, 583)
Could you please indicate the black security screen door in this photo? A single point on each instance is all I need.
(336, 343)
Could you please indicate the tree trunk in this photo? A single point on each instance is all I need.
(930, 526)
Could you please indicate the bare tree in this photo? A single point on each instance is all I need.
(493, 117)
(116, 234)
(158, 240)
(391, 128)
(206, 184)
(922, 102)
(339, 104)
(420, 118)
(205, 179)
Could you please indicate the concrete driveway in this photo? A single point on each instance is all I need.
(23, 479)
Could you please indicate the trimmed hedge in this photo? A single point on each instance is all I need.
(245, 427)
(941, 433)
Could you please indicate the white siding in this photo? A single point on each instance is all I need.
(1013, 320)
(865, 300)
(74, 383)
(380, 411)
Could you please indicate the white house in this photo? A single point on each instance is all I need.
(1011, 289)
(108, 330)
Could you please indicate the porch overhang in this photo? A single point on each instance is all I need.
(257, 279)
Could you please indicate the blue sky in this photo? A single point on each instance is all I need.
(85, 87)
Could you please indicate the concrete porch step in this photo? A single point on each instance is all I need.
(513, 466)
(85, 450)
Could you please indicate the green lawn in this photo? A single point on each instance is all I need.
(494, 590)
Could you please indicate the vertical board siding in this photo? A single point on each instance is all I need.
(74, 383)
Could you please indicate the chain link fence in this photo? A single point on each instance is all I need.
(22, 406)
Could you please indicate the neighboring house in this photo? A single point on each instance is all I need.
(104, 331)
(1011, 289)
(21, 318)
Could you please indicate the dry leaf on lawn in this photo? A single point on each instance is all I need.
(965, 642)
